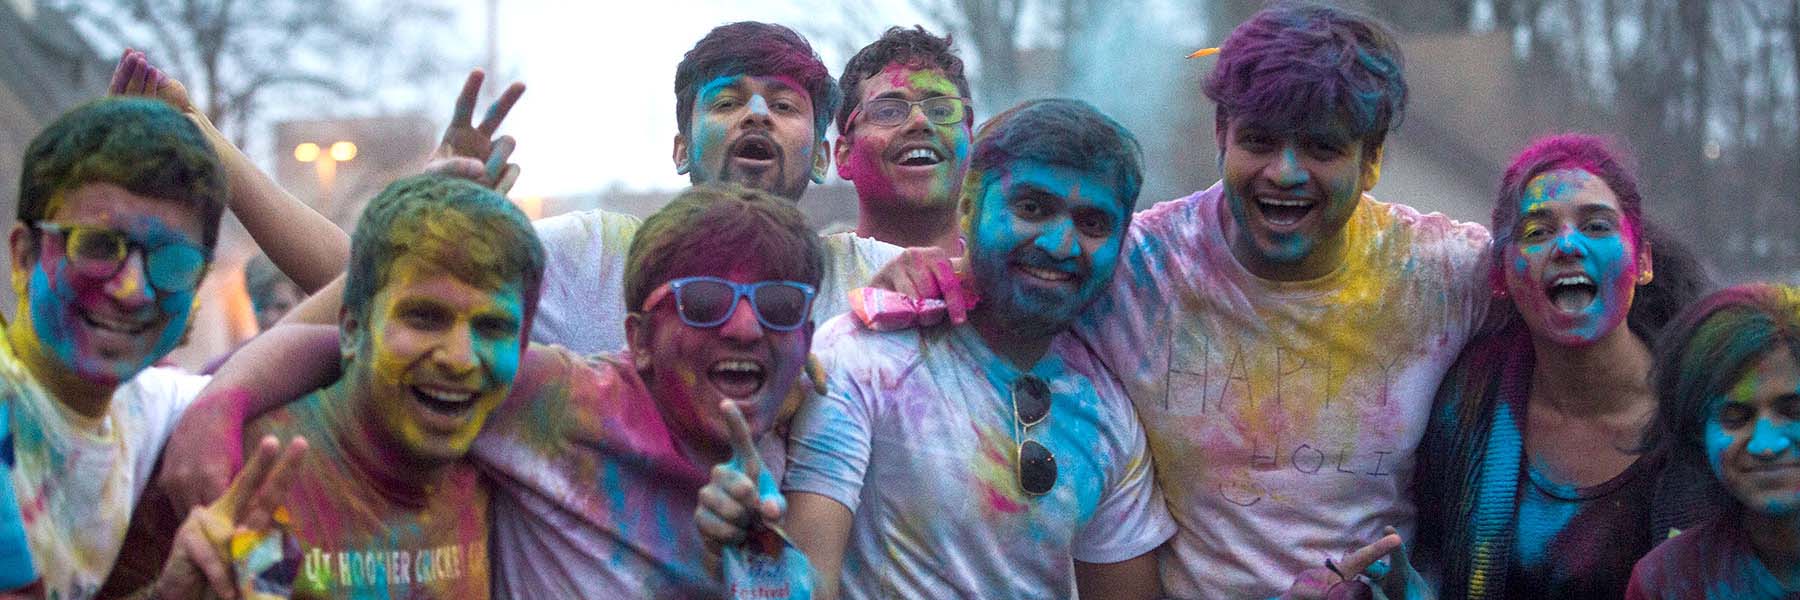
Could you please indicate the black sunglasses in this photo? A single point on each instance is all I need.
(1031, 405)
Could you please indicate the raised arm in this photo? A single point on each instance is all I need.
(277, 367)
(305, 245)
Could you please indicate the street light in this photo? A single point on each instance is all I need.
(325, 163)
(306, 152)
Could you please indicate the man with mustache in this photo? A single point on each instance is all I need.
(752, 105)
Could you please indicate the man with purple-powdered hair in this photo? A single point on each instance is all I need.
(1281, 333)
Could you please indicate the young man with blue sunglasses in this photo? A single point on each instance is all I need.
(606, 459)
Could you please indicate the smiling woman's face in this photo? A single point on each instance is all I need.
(1575, 262)
(1752, 432)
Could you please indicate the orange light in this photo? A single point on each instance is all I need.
(306, 152)
(343, 151)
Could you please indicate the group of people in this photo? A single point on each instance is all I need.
(1007, 382)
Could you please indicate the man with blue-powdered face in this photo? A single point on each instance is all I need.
(995, 458)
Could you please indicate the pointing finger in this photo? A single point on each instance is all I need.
(743, 444)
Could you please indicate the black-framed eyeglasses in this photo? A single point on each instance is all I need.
(1037, 465)
(709, 301)
(100, 253)
(889, 112)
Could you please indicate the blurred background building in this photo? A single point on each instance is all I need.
(1703, 92)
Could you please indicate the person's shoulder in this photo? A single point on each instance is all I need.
(843, 344)
(159, 393)
(164, 382)
(1684, 558)
(1428, 229)
(848, 246)
(584, 228)
(1185, 211)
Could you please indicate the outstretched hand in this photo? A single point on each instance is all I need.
(928, 272)
(135, 76)
(740, 493)
(201, 558)
(470, 150)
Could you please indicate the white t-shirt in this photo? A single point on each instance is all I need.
(78, 479)
(1284, 415)
(916, 438)
(582, 306)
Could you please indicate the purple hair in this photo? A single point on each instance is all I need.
(1294, 64)
(756, 49)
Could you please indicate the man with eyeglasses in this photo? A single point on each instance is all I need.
(119, 208)
(992, 459)
(903, 138)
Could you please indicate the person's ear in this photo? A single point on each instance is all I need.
(24, 253)
(842, 155)
(821, 166)
(637, 339)
(349, 335)
(1371, 169)
(1646, 270)
(680, 155)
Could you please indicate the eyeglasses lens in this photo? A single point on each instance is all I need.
(175, 267)
(96, 253)
(705, 303)
(888, 112)
(781, 305)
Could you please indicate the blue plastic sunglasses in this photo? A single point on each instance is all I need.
(710, 301)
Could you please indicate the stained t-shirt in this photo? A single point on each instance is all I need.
(77, 478)
(359, 538)
(591, 497)
(1581, 542)
(1712, 561)
(1283, 415)
(582, 305)
(916, 438)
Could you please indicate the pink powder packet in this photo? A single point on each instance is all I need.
(888, 310)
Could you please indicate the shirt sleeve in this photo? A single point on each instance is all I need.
(828, 449)
(157, 398)
(579, 303)
(1132, 518)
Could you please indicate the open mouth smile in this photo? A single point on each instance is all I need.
(128, 327)
(446, 402)
(1284, 212)
(1572, 293)
(919, 156)
(737, 379)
